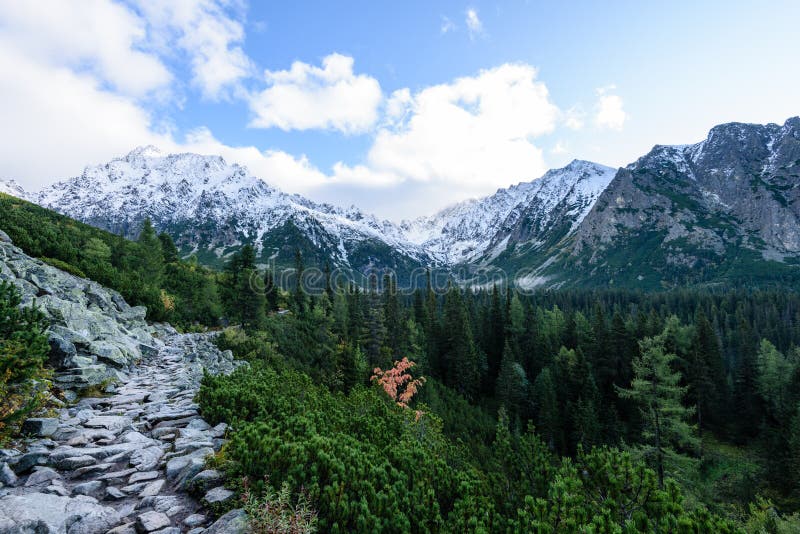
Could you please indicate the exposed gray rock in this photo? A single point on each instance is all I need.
(112, 449)
(143, 476)
(7, 476)
(205, 480)
(114, 493)
(94, 334)
(24, 463)
(692, 203)
(53, 514)
(109, 422)
(93, 488)
(42, 475)
(147, 459)
(152, 489)
(127, 528)
(75, 462)
(218, 495)
(194, 520)
(234, 522)
(40, 426)
(152, 521)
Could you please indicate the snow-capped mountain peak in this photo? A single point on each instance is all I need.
(10, 187)
(212, 207)
(467, 231)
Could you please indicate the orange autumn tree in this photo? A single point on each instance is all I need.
(397, 382)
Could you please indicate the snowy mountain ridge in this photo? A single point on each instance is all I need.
(207, 203)
(467, 231)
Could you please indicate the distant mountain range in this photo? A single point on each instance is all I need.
(724, 209)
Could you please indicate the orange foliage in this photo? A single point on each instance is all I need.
(397, 381)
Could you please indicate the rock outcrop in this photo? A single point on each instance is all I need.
(122, 463)
(95, 336)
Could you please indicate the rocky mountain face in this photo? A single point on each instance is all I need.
(722, 207)
(523, 216)
(211, 208)
(95, 336)
(10, 187)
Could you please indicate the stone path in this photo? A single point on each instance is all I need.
(123, 464)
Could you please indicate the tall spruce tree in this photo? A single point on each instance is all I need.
(271, 292)
(460, 356)
(706, 374)
(656, 389)
(512, 384)
(250, 300)
(168, 248)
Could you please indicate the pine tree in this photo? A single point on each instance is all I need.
(431, 328)
(706, 374)
(746, 403)
(247, 257)
(23, 352)
(300, 298)
(355, 319)
(655, 388)
(150, 261)
(250, 301)
(375, 328)
(512, 384)
(170, 251)
(546, 408)
(460, 356)
(271, 291)
(341, 314)
(495, 336)
(391, 312)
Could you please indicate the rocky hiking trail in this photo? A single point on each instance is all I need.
(124, 463)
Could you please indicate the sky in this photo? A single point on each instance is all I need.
(401, 108)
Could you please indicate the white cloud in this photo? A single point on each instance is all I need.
(308, 97)
(473, 22)
(447, 26)
(560, 148)
(278, 168)
(574, 118)
(97, 37)
(474, 134)
(209, 32)
(610, 113)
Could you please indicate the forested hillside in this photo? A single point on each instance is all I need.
(146, 271)
(447, 409)
(551, 412)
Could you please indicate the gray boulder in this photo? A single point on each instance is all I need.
(41, 427)
(41, 513)
(234, 522)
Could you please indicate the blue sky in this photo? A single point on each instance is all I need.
(399, 107)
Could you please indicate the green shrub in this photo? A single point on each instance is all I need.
(24, 381)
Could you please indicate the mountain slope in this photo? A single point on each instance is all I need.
(521, 217)
(724, 209)
(211, 208)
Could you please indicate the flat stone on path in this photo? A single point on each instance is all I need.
(42, 475)
(152, 489)
(109, 422)
(152, 521)
(40, 426)
(218, 495)
(141, 476)
(76, 462)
